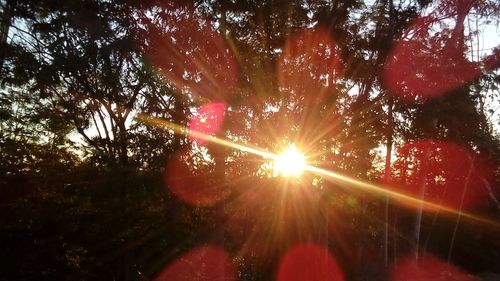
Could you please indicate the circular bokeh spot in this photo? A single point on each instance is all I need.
(207, 263)
(309, 64)
(192, 55)
(427, 267)
(309, 262)
(208, 120)
(192, 180)
(450, 175)
(426, 66)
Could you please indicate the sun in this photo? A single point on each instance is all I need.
(290, 163)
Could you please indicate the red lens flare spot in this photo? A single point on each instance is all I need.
(192, 55)
(207, 120)
(451, 175)
(193, 181)
(426, 66)
(206, 263)
(309, 262)
(427, 268)
(309, 64)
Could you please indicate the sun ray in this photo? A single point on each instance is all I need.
(400, 197)
(327, 174)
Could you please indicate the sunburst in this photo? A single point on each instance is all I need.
(290, 163)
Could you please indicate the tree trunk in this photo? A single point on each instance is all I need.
(389, 143)
(466, 185)
(7, 14)
(219, 154)
(122, 147)
(124, 172)
(421, 197)
(387, 175)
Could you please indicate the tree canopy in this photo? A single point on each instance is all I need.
(140, 140)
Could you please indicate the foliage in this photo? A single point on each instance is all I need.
(96, 181)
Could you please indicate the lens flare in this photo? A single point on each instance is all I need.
(204, 263)
(427, 268)
(401, 198)
(424, 67)
(309, 262)
(208, 120)
(454, 176)
(195, 186)
(290, 163)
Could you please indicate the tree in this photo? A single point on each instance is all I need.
(338, 79)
